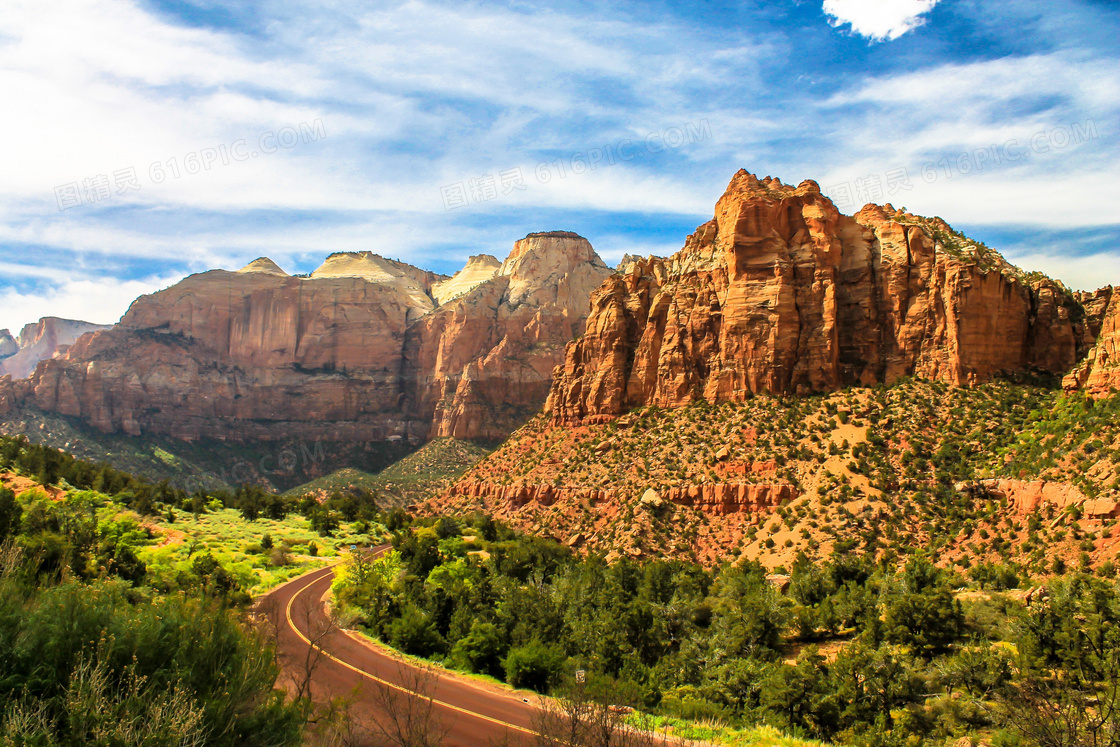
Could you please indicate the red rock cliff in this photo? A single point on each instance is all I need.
(781, 293)
(358, 351)
(1099, 373)
(482, 365)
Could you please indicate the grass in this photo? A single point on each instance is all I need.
(236, 544)
(713, 732)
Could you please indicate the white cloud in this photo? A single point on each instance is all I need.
(101, 300)
(879, 20)
(1078, 273)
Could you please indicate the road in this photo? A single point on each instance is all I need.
(475, 714)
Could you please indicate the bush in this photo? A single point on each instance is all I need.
(414, 633)
(536, 666)
(481, 650)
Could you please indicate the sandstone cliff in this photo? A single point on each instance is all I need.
(346, 354)
(478, 270)
(781, 293)
(1099, 373)
(48, 337)
(482, 365)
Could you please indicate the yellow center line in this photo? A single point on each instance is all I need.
(375, 678)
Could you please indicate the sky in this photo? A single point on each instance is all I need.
(144, 140)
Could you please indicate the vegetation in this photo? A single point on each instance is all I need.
(205, 464)
(122, 617)
(894, 469)
(857, 650)
(412, 479)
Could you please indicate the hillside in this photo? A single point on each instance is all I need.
(416, 477)
(1009, 471)
(209, 464)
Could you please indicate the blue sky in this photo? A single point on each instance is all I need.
(429, 131)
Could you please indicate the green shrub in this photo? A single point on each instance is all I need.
(536, 666)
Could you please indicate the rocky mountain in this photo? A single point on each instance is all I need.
(47, 338)
(673, 427)
(1099, 373)
(482, 365)
(781, 293)
(1001, 471)
(9, 346)
(363, 349)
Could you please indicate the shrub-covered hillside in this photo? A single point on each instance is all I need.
(913, 466)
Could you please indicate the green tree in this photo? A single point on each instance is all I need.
(10, 514)
(482, 649)
(536, 666)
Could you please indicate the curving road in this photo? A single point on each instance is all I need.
(474, 714)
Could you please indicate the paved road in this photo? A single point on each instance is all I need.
(476, 715)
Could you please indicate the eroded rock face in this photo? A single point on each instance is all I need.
(781, 293)
(48, 337)
(719, 499)
(478, 270)
(1099, 373)
(482, 365)
(359, 351)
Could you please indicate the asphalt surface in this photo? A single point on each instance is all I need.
(473, 714)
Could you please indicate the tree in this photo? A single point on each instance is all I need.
(924, 615)
(598, 712)
(415, 633)
(536, 666)
(481, 649)
(10, 514)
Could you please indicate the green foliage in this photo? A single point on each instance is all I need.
(481, 650)
(536, 666)
(85, 660)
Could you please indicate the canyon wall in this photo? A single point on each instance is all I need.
(781, 293)
(47, 338)
(361, 350)
(1099, 373)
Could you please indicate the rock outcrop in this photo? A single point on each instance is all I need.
(1027, 497)
(781, 293)
(8, 344)
(482, 365)
(361, 350)
(45, 339)
(719, 499)
(1099, 373)
(478, 270)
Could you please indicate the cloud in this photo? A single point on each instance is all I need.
(101, 300)
(1086, 273)
(879, 20)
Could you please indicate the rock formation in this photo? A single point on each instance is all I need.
(482, 365)
(361, 350)
(47, 338)
(781, 293)
(1099, 373)
(721, 499)
(478, 270)
(8, 344)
